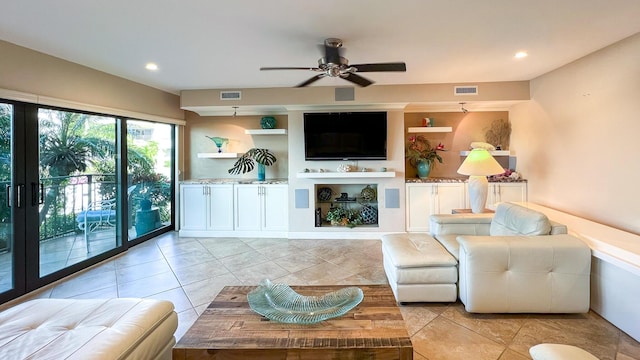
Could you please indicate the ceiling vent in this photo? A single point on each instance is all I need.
(465, 90)
(230, 95)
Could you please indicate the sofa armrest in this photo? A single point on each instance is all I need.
(460, 224)
(536, 274)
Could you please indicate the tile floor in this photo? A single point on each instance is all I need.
(191, 271)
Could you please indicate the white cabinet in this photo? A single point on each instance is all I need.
(261, 207)
(506, 192)
(206, 207)
(425, 199)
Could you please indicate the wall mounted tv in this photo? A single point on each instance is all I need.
(345, 136)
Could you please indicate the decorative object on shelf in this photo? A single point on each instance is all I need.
(341, 216)
(507, 176)
(278, 302)
(482, 145)
(383, 169)
(324, 193)
(219, 141)
(368, 193)
(263, 157)
(369, 214)
(268, 122)
(428, 122)
(478, 165)
(499, 134)
(421, 155)
(440, 147)
(345, 168)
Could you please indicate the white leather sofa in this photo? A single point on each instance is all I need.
(513, 261)
(516, 261)
(88, 329)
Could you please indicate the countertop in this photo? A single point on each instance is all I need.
(462, 180)
(234, 181)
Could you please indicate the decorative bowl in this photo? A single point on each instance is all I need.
(280, 303)
(268, 122)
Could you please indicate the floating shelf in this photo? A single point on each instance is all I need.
(494, 153)
(265, 131)
(351, 174)
(223, 155)
(426, 129)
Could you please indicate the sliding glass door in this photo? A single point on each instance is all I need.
(76, 189)
(78, 206)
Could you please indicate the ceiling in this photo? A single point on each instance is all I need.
(205, 44)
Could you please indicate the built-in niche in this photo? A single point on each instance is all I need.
(348, 205)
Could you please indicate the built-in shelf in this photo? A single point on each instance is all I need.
(494, 153)
(426, 129)
(224, 155)
(265, 131)
(351, 174)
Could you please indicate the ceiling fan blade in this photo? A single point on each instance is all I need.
(398, 66)
(357, 79)
(289, 68)
(312, 80)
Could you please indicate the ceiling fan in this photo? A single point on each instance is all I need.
(334, 65)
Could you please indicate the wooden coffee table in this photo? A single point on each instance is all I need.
(229, 329)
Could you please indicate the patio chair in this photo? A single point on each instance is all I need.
(99, 215)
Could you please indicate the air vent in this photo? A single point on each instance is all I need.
(465, 90)
(230, 95)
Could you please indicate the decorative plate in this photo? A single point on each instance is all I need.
(280, 303)
(268, 122)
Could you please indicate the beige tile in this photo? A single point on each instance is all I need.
(509, 354)
(416, 317)
(300, 261)
(105, 293)
(629, 347)
(499, 327)
(84, 283)
(185, 320)
(200, 271)
(203, 292)
(442, 339)
(149, 286)
(177, 296)
(183, 247)
(189, 259)
(221, 248)
(252, 275)
(587, 331)
(241, 261)
(140, 271)
(281, 252)
(137, 256)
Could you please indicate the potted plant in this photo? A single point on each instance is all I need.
(421, 155)
(343, 217)
(263, 157)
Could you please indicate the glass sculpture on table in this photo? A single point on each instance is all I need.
(280, 303)
(219, 141)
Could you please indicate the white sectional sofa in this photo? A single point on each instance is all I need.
(513, 261)
(88, 329)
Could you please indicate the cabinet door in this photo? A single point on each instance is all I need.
(506, 192)
(275, 215)
(193, 207)
(448, 197)
(247, 207)
(419, 200)
(221, 207)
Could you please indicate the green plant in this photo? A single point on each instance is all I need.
(419, 149)
(246, 162)
(343, 216)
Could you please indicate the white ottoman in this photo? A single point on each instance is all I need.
(88, 329)
(559, 352)
(419, 268)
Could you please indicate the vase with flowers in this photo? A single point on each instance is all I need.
(421, 155)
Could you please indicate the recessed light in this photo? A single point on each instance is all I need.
(151, 66)
(521, 54)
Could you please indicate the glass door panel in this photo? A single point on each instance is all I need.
(6, 185)
(78, 207)
(149, 167)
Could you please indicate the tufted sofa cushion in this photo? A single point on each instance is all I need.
(511, 219)
(88, 329)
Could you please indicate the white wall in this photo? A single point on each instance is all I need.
(576, 139)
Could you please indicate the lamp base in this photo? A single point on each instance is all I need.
(478, 189)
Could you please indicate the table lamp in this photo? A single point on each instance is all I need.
(478, 165)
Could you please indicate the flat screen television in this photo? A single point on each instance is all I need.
(345, 136)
